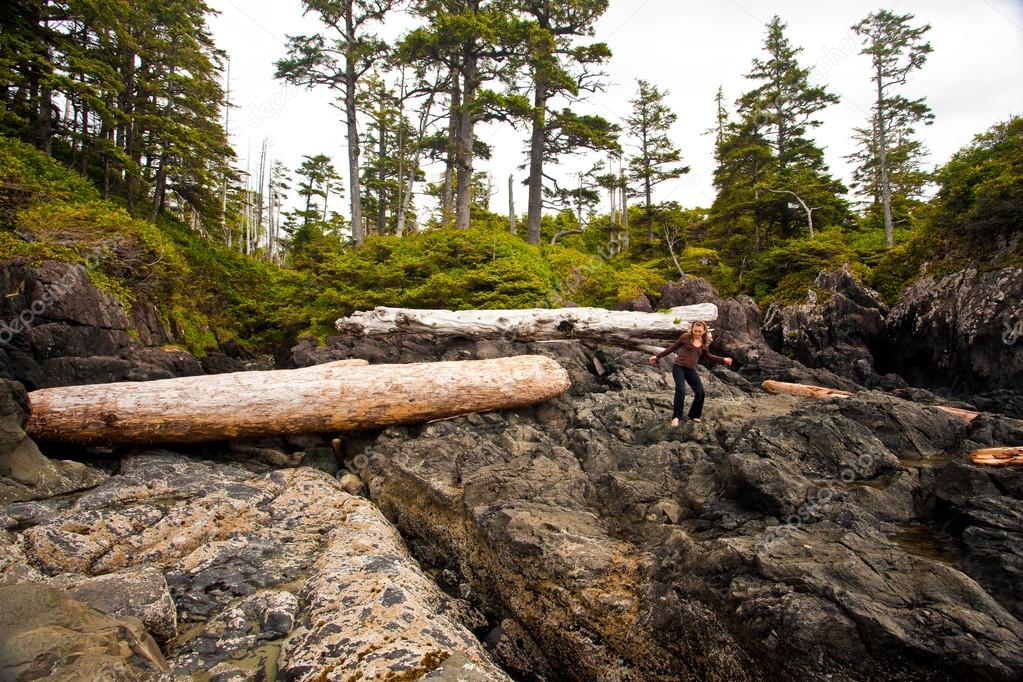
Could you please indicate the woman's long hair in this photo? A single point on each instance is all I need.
(707, 338)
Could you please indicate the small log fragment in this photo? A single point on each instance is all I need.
(804, 390)
(998, 457)
(822, 393)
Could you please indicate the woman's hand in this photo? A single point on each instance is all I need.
(728, 361)
(652, 360)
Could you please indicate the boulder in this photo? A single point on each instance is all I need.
(25, 473)
(966, 330)
(58, 329)
(837, 328)
(142, 594)
(47, 635)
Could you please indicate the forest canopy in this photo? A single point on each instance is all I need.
(114, 154)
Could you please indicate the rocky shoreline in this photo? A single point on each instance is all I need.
(579, 539)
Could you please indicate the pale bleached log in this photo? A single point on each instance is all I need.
(323, 398)
(530, 324)
(348, 362)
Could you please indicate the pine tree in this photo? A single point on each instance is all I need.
(392, 153)
(783, 109)
(771, 176)
(279, 184)
(560, 66)
(889, 156)
(316, 179)
(657, 158)
(339, 62)
(473, 40)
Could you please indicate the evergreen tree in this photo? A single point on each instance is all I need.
(889, 157)
(339, 62)
(317, 178)
(771, 176)
(279, 184)
(392, 155)
(783, 109)
(657, 158)
(128, 93)
(560, 66)
(473, 40)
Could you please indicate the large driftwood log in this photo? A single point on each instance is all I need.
(334, 397)
(822, 393)
(530, 324)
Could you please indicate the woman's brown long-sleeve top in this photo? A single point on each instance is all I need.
(688, 354)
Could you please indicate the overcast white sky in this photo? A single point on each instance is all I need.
(973, 78)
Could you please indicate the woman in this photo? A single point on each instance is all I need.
(692, 347)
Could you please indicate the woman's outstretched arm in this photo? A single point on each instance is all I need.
(654, 358)
(716, 358)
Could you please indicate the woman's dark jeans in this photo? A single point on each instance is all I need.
(682, 376)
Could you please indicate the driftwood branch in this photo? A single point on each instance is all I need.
(998, 457)
(822, 393)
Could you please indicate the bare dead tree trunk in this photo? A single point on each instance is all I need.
(511, 204)
(809, 211)
(536, 158)
(528, 324)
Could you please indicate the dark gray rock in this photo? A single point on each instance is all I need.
(966, 333)
(836, 329)
(640, 304)
(58, 330)
(25, 473)
(45, 634)
(321, 458)
(782, 538)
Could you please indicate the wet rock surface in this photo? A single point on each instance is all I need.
(780, 537)
(242, 572)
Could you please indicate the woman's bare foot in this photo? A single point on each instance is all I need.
(674, 421)
(696, 419)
